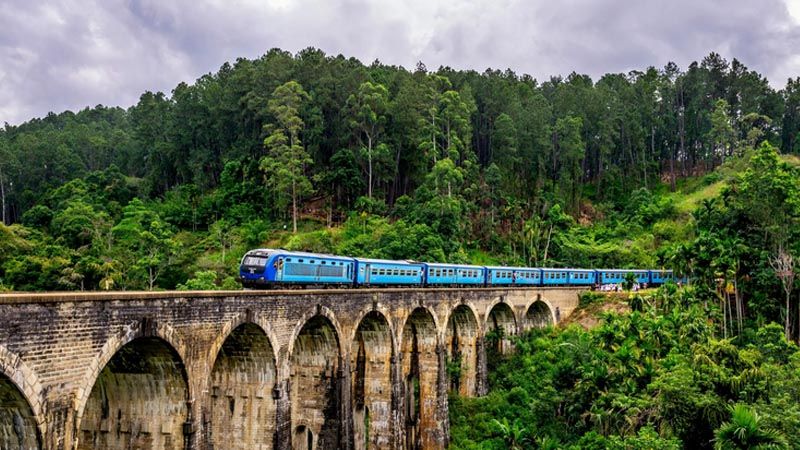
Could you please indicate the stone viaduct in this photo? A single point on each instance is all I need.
(303, 369)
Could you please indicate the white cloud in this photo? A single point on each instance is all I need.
(71, 54)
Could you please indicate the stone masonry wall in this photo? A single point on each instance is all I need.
(249, 369)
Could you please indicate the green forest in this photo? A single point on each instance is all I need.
(694, 170)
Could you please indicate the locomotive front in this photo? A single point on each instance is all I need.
(253, 271)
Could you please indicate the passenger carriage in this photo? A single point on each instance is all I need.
(382, 272)
(582, 277)
(454, 274)
(555, 277)
(500, 276)
(616, 276)
(661, 276)
(517, 276)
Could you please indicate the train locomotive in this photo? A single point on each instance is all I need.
(278, 268)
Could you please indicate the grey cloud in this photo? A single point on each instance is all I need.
(71, 54)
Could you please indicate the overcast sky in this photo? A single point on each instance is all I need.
(69, 54)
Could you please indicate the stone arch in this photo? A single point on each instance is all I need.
(21, 420)
(241, 407)
(240, 319)
(320, 310)
(538, 314)
(372, 351)
(381, 310)
(460, 341)
(500, 321)
(147, 355)
(315, 384)
(420, 371)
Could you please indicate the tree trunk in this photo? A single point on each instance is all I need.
(547, 245)
(433, 137)
(294, 207)
(3, 197)
(788, 336)
(672, 170)
(369, 159)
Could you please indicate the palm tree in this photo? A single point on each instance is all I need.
(513, 434)
(745, 431)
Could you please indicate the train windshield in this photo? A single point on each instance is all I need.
(259, 261)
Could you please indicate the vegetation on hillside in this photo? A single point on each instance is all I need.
(660, 377)
(475, 166)
(654, 168)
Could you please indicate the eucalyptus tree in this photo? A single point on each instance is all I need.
(368, 108)
(286, 160)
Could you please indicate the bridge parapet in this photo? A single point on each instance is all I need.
(338, 368)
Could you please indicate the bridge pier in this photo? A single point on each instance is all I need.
(351, 369)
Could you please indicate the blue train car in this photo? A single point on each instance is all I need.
(582, 277)
(454, 274)
(265, 267)
(517, 276)
(525, 276)
(659, 277)
(371, 272)
(615, 276)
(500, 276)
(555, 277)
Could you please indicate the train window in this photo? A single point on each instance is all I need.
(288, 259)
(299, 260)
(311, 261)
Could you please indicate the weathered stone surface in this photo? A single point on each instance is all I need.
(250, 369)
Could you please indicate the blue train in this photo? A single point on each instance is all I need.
(264, 268)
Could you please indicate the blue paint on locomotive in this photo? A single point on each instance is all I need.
(253, 267)
(438, 273)
(268, 266)
(385, 272)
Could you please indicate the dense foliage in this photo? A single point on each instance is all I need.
(659, 377)
(478, 167)
(654, 168)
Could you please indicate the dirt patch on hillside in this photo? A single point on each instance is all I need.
(588, 316)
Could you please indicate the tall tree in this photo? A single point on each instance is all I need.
(368, 107)
(285, 163)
